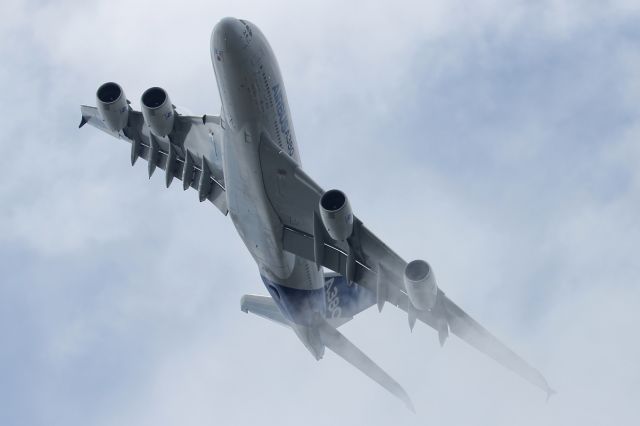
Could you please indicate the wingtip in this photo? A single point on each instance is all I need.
(550, 393)
(407, 401)
(83, 121)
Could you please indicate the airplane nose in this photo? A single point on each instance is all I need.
(231, 35)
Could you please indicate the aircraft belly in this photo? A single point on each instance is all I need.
(254, 218)
(249, 209)
(256, 103)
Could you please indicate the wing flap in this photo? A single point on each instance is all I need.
(191, 135)
(377, 268)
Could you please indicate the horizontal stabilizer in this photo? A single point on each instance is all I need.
(263, 306)
(339, 344)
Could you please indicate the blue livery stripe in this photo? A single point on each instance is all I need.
(346, 301)
(298, 306)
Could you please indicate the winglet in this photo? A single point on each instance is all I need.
(409, 405)
(550, 393)
(83, 121)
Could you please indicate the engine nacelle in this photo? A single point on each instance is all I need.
(336, 215)
(420, 284)
(157, 110)
(113, 106)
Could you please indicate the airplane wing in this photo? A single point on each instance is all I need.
(368, 261)
(192, 153)
(265, 307)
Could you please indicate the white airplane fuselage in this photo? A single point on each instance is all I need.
(254, 103)
(247, 164)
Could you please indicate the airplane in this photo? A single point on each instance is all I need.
(320, 265)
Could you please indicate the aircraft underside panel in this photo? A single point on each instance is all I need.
(192, 153)
(345, 300)
(304, 307)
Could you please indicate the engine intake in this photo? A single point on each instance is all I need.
(113, 106)
(157, 110)
(336, 215)
(420, 284)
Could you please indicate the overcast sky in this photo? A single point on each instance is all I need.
(500, 140)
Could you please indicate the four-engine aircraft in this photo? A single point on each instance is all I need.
(246, 162)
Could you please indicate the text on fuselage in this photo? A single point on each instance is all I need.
(283, 118)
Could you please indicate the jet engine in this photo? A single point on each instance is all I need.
(113, 106)
(336, 215)
(158, 111)
(420, 284)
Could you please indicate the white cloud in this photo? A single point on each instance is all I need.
(497, 139)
